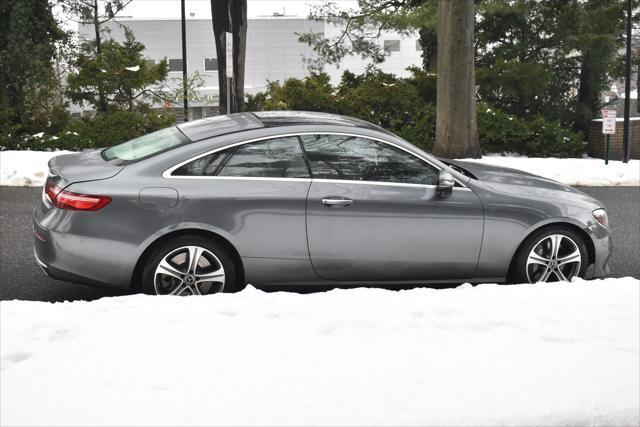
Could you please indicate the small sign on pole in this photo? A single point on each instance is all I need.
(608, 122)
(608, 128)
(229, 55)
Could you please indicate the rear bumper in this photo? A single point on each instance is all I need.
(78, 259)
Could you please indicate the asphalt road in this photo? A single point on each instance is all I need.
(21, 278)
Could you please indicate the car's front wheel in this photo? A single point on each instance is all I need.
(551, 255)
(189, 265)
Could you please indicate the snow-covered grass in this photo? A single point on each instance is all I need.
(29, 168)
(25, 168)
(563, 354)
(586, 171)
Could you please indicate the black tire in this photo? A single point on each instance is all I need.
(518, 273)
(231, 281)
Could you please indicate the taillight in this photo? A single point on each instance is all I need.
(51, 190)
(80, 202)
(64, 199)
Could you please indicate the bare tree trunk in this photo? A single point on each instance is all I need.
(429, 44)
(96, 26)
(220, 15)
(456, 123)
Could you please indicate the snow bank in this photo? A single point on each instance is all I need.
(29, 168)
(586, 172)
(25, 168)
(563, 354)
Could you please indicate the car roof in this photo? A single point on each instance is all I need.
(210, 127)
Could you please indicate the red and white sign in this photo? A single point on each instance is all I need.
(608, 122)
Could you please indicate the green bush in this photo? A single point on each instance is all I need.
(406, 108)
(103, 130)
(500, 132)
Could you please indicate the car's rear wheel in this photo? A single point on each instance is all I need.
(189, 265)
(551, 255)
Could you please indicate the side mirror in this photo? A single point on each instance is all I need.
(445, 184)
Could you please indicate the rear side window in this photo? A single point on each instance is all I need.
(146, 145)
(355, 158)
(273, 158)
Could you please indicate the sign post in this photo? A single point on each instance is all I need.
(608, 128)
(229, 67)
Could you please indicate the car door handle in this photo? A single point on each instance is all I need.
(336, 202)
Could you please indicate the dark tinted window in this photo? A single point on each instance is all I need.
(175, 64)
(362, 159)
(392, 45)
(204, 166)
(273, 158)
(210, 64)
(280, 157)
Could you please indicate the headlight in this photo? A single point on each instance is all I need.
(601, 216)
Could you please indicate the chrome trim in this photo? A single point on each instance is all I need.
(167, 173)
(337, 202)
(42, 265)
(243, 178)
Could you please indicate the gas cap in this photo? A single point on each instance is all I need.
(158, 198)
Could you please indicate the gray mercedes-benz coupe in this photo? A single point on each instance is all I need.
(278, 198)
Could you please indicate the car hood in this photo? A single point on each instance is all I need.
(517, 182)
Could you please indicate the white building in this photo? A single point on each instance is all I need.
(273, 51)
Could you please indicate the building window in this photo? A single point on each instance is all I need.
(392, 45)
(418, 46)
(175, 64)
(150, 62)
(211, 64)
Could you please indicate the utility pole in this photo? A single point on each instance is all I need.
(627, 88)
(184, 64)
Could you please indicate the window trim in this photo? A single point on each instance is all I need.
(168, 172)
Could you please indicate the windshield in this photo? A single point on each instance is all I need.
(146, 145)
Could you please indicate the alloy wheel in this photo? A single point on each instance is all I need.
(189, 270)
(554, 258)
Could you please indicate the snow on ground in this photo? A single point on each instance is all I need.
(586, 172)
(25, 168)
(29, 168)
(557, 354)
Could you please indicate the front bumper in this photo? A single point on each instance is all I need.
(603, 248)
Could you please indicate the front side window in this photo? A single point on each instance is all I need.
(273, 158)
(362, 159)
(146, 145)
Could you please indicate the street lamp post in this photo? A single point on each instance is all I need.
(627, 88)
(184, 64)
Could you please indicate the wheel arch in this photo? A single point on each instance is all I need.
(136, 277)
(591, 251)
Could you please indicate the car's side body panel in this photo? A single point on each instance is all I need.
(393, 232)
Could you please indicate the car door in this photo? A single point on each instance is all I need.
(253, 192)
(373, 214)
